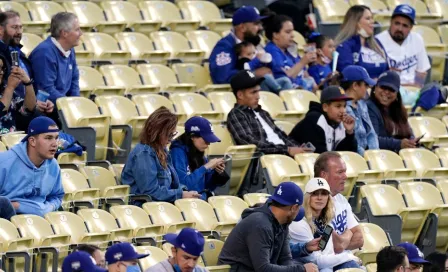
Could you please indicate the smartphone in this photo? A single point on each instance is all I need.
(15, 58)
(227, 158)
(310, 146)
(419, 138)
(325, 237)
(311, 47)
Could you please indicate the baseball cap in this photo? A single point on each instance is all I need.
(40, 125)
(122, 252)
(288, 193)
(315, 184)
(389, 79)
(244, 80)
(333, 93)
(188, 239)
(246, 14)
(414, 253)
(357, 73)
(300, 215)
(201, 127)
(406, 11)
(80, 261)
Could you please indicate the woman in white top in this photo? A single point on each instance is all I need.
(319, 211)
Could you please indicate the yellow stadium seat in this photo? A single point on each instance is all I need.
(390, 163)
(298, 100)
(438, 7)
(371, 267)
(80, 112)
(148, 103)
(434, 130)
(442, 153)
(442, 185)
(141, 47)
(285, 126)
(386, 200)
(29, 42)
(253, 199)
(228, 208)
(72, 158)
(167, 215)
(422, 195)
(11, 139)
(156, 255)
(122, 11)
(381, 13)
(103, 222)
(299, 40)
(91, 82)
(425, 162)
(212, 249)
(281, 168)
(196, 74)
(374, 240)
(306, 162)
(163, 76)
(203, 40)
(76, 189)
(125, 76)
(118, 169)
(273, 104)
(105, 47)
(202, 213)
(193, 104)
(83, 56)
(28, 25)
(168, 14)
(420, 7)
(222, 101)
(177, 45)
(332, 11)
(41, 13)
(207, 13)
(15, 247)
(2, 147)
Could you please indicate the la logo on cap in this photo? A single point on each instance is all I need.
(319, 182)
(279, 191)
(341, 90)
(118, 256)
(250, 74)
(406, 9)
(195, 128)
(76, 265)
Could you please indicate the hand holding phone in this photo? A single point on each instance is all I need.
(325, 237)
(417, 140)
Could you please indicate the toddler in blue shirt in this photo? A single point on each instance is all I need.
(320, 70)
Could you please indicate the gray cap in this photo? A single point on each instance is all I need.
(333, 93)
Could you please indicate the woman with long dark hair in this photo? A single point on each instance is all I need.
(193, 168)
(388, 114)
(438, 262)
(149, 169)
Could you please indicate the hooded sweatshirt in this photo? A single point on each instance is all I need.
(37, 189)
(259, 243)
(324, 134)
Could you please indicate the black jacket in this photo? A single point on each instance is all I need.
(322, 133)
(259, 243)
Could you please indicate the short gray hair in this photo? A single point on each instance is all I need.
(61, 21)
(321, 163)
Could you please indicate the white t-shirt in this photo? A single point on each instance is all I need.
(408, 57)
(271, 136)
(343, 216)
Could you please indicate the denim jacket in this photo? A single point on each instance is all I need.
(144, 173)
(364, 132)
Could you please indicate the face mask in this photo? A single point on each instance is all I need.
(133, 268)
(326, 60)
(363, 33)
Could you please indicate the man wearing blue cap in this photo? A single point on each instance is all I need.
(123, 257)
(260, 241)
(29, 174)
(223, 59)
(80, 261)
(405, 48)
(415, 256)
(187, 248)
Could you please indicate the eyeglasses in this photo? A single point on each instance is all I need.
(172, 135)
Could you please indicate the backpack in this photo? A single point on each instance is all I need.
(68, 144)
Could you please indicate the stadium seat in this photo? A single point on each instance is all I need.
(371, 267)
(196, 74)
(163, 76)
(434, 130)
(72, 158)
(300, 41)
(281, 168)
(118, 169)
(306, 162)
(438, 7)
(122, 112)
(374, 240)
(222, 101)
(167, 215)
(273, 104)
(177, 45)
(125, 76)
(385, 200)
(83, 56)
(10, 239)
(77, 189)
(442, 154)
(41, 13)
(203, 40)
(2, 147)
(11, 139)
(106, 48)
(168, 14)
(91, 16)
(207, 13)
(425, 162)
(129, 13)
(255, 198)
(80, 112)
(390, 163)
(285, 126)
(422, 195)
(28, 25)
(193, 104)
(141, 47)
(228, 208)
(92, 82)
(421, 10)
(29, 42)
(148, 103)
(332, 11)
(381, 13)
(156, 255)
(298, 100)
(212, 249)
(202, 213)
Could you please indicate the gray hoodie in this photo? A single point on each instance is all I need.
(259, 243)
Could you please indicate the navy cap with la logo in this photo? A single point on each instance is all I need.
(288, 193)
(244, 80)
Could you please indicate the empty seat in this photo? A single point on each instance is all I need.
(281, 168)
(167, 215)
(29, 42)
(273, 104)
(379, 9)
(433, 129)
(438, 7)
(125, 76)
(253, 199)
(222, 101)
(11, 139)
(148, 103)
(76, 189)
(203, 40)
(197, 74)
(72, 158)
(298, 100)
(168, 14)
(156, 255)
(177, 45)
(442, 154)
(212, 249)
(425, 162)
(421, 10)
(141, 47)
(41, 13)
(207, 13)
(390, 163)
(103, 222)
(91, 81)
(285, 126)
(105, 47)
(193, 104)
(228, 208)
(306, 162)
(163, 76)
(332, 11)
(374, 240)
(10, 239)
(133, 217)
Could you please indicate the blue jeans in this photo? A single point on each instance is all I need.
(6, 209)
(350, 264)
(276, 85)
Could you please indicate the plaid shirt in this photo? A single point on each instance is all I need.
(246, 129)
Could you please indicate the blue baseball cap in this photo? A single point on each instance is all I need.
(389, 79)
(201, 127)
(122, 252)
(414, 253)
(406, 11)
(80, 261)
(40, 125)
(300, 215)
(188, 239)
(246, 14)
(357, 73)
(288, 193)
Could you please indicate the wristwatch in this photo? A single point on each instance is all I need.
(29, 82)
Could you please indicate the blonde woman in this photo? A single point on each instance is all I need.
(319, 211)
(357, 45)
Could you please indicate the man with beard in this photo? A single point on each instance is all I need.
(223, 59)
(405, 49)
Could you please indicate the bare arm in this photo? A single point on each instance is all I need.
(357, 240)
(341, 241)
(294, 71)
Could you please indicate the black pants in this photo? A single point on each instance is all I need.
(297, 10)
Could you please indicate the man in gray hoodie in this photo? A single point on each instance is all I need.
(260, 242)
